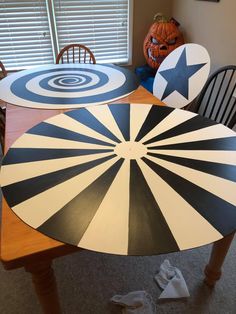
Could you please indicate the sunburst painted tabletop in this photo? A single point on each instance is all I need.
(67, 86)
(127, 179)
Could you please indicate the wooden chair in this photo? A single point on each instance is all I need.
(217, 99)
(75, 53)
(3, 73)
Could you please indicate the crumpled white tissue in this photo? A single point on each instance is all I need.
(171, 280)
(135, 302)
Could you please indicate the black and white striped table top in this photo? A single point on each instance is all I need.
(127, 179)
(67, 86)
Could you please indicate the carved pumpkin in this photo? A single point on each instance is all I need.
(163, 37)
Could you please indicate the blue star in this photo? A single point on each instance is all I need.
(177, 78)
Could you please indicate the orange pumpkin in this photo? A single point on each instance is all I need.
(162, 38)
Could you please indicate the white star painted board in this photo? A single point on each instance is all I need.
(182, 75)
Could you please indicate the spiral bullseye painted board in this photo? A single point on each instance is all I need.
(67, 86)
(127, 179)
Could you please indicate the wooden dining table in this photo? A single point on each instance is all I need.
(22, 246)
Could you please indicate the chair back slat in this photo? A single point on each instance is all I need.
(217, 96)
(232, 112)
(209, 97)
(2, 110)
(226, 109)
(217, 99)
(79, 55)
(232, 121)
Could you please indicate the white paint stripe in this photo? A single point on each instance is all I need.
(71, 124)
(175, 118)
(34, 84)
(188, 227)
(104, 115)
(208, 133)
(138, 114)
(18, 172)
(217, 156)
(220, 187)
(108, 231)
(77, 78)
(11, 98)
(112, 84)
(32, 104)
(61, 80)
(36, 210)
(39, 141)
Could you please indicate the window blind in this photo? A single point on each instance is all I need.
(33, 32)
(102, 26)
(24, 34)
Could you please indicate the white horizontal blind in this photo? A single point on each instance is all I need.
(24, 34)
(102, 26)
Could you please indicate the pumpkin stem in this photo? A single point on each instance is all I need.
(160, 17)
(172, 20)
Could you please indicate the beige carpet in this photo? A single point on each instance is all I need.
(87, 280)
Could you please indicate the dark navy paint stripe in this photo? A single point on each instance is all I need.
(18, 88)
(148, 231)
(211, 207)
(85, 117)
(193, 124)
(70, 223)
(154, 117)
(177, 78)
(103, 79)
(50, 130)
(220, 170)
(16, 193)
(227, 143)
(121, 114)
(20, 155)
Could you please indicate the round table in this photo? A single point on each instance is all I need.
(128, 179)
(67, 86)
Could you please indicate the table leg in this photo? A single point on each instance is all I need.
(218, 254)
(45, 286)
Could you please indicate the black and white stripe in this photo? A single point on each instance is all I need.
(125, 179)
(61, 86)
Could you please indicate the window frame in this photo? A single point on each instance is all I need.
(53, 32)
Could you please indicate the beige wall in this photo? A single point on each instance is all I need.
(144, 11)
(210, 24)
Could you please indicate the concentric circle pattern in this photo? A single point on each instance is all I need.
(62, 86)
(127, 179)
